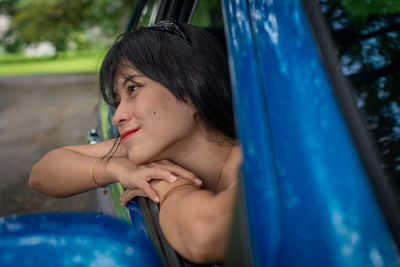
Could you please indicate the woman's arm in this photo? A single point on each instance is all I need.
(65, 171)
(196, 222)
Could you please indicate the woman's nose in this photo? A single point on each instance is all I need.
(121, 115)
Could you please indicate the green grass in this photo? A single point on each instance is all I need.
(81, 62)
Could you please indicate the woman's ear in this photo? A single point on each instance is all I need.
(193, 110)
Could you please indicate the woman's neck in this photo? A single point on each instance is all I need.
(204, 158)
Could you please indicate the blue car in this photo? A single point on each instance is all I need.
(318, 117)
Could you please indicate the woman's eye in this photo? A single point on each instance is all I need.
(132, 88)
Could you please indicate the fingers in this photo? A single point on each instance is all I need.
(149, 191)
(138, 180)
(128, 194)
(162, 173)
(179, 171)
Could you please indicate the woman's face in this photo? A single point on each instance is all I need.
(151, 121)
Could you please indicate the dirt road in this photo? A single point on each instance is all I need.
(37, 114)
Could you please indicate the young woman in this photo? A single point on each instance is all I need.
(170, 86)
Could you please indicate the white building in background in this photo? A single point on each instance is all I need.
(33, 50)
(4, 24)
(41, 49)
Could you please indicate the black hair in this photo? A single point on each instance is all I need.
(194, 70)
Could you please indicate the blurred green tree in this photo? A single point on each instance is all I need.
(65, 22)
(360, 10)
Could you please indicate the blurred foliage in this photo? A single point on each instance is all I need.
(7, 7)
(360, 10)
(76, 61)
(10, 58)
(369, 51)
(67, 24)
(47, 66)
(208, 14)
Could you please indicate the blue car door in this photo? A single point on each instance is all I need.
(308, 198)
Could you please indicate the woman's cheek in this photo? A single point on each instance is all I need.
(124, 149)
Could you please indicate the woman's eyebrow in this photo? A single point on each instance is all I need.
(131, 78)
(127, 78)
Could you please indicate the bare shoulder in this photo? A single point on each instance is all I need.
(230, 173)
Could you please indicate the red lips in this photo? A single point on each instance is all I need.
(127, 134)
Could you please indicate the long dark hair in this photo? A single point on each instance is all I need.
(194, 70)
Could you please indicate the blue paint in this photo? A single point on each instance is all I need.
(252, 120)
(136, 215)
(73, 239)
(308, 198)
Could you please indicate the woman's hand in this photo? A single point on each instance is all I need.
(136, 179)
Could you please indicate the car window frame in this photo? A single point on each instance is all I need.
(342, 87)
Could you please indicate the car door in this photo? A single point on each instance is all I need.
(311, 189)
(313, 192)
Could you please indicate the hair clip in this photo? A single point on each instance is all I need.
(171, 26)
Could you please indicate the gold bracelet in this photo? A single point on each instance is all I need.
(174, 189)
(92, 176)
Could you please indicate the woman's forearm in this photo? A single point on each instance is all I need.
(196, 223)
(65, 171)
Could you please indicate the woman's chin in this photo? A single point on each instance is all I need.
(145, 155)
(138, 159)
(134, 159)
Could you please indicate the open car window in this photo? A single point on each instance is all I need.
(205, 14)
